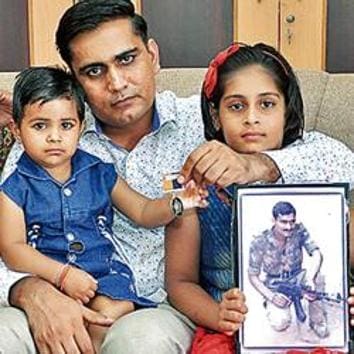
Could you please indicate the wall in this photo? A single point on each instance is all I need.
(189, 32)
(13, 35)
(340, 31)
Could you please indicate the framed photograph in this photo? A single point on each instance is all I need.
(290, 258)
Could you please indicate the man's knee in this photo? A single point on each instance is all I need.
(15, 334)
(279, 319)
(157, 331)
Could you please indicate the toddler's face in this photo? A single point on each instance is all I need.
(252, 111)
(50, 132)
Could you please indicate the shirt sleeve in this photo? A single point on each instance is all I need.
(11, 160)
(7, 279)
(315, 158)
(255, 256)
(309, 245)
(110, 176)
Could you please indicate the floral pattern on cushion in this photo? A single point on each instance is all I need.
(6, 141)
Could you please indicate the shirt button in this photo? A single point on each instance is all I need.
(71, 258)
(67, 192)
(70, 236)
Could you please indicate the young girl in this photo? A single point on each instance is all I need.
(55, 209)
(251, 101)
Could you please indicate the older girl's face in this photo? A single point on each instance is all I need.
(252, 111)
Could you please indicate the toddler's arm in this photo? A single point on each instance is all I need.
(23, 258)
(152, 213)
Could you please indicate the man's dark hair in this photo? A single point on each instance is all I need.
(281, 72)
(44, 84)
(87, 15)
(283, 208)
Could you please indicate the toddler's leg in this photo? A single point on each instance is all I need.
(111, 308)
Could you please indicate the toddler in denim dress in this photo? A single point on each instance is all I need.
(56, 207)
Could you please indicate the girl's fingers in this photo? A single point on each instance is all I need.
(232, 316)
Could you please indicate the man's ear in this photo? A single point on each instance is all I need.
(154, 51)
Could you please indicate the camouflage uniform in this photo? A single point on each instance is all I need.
(283, 262)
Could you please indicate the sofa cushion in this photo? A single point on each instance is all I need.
(313, 85)
(7, 80)
(183, 82)
(336, 116)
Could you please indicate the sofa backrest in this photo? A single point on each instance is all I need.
(328, 98)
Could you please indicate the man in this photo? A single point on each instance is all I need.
(278, 252)
(106, 46)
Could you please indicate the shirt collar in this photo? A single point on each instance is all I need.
(80, 161)
(163, 112)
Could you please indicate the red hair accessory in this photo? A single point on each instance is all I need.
(211, 77)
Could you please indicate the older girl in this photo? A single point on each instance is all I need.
(252, 102)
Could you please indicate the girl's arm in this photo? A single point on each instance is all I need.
(182, 280)
(23, 258)
(149, 212)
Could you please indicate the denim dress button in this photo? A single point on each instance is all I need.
(77, 247)
(71, 258)
(70, 236)
(67, 192)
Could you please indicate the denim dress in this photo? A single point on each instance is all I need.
(71, 222)
(215, 258)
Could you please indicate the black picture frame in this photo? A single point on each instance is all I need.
(323, 210)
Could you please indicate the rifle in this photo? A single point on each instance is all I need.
(295, 291)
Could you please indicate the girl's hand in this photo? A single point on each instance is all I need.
(232, 310)
(193, 196)
(79, 285)
(351, 306)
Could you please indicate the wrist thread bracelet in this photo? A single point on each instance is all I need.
(62, 275)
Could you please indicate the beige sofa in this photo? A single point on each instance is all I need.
(329, 98)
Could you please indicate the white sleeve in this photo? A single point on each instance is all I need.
(315, 158)
(11, 160)
(7, 279)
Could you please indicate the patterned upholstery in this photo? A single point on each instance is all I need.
(6, 141)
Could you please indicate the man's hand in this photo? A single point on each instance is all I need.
(232, 310)
(5, 108)
(58, 323)
(351, 306)
(216, 163)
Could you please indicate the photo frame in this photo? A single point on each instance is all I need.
(291, 260)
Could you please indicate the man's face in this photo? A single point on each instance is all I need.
(284, 225)
(117, 71)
